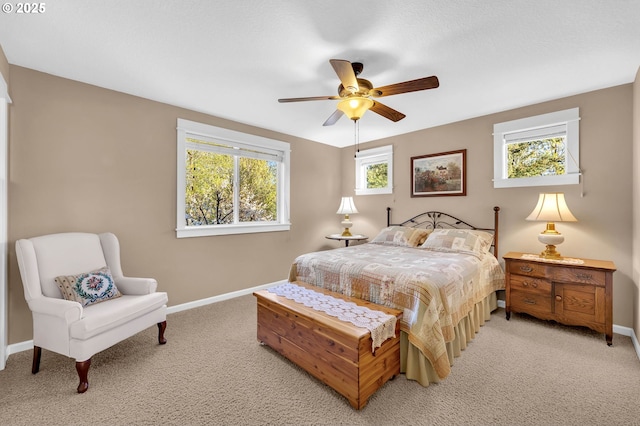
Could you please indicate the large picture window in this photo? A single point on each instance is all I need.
(537, 151)
(230, 182)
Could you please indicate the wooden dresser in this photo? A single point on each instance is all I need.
(569, 293)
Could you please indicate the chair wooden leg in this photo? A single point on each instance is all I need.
(161, 327)
(83, 370)
(37, 354)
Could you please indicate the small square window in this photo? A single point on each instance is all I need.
(374, 171)
(537, 151)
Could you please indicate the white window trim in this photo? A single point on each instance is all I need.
(186, 128)
(569, 118)
(373, 156)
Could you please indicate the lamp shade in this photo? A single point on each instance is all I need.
(355, 107)
(552, 208)
(347, 206)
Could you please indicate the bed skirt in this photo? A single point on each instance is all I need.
(417, 367)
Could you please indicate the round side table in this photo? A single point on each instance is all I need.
(340, 237)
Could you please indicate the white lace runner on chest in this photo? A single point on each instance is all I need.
(381, 325)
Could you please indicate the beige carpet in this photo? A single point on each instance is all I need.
(213, 371)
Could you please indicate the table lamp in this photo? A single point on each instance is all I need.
(346, 208)
(551, 208)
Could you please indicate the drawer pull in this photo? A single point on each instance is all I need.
(559, 298)
(526, 268)
(529, 301)
(532, 284)
(584, 276)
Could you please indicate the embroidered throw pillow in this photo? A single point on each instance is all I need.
(403, 236)
(88, 288)
(459, 241)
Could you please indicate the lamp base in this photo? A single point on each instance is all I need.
(551, 240)
(346, 223)
(550, 253)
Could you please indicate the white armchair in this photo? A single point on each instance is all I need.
(67, 326)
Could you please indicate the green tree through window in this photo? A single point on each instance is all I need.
(210, 190)
(377, 175)
(543, 157)
(258, 190)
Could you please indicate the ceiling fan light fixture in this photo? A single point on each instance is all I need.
(355, 107)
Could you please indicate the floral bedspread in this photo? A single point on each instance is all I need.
(434, 289)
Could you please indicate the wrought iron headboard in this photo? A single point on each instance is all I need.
(436, 219)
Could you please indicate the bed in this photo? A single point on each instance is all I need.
(439, 270)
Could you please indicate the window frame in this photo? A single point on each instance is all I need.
(568, 120)
(187, 129)
(367, 157)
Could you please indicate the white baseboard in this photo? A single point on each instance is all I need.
(27, 345)
(19, 347)
(220, 298)
(627, 331)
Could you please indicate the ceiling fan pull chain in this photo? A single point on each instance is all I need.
(356, 136)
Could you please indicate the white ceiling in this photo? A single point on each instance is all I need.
(234, 59)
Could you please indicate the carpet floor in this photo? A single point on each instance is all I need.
(213, 371)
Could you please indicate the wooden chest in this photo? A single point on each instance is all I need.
(336, 352)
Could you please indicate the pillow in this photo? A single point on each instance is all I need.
(468, 241)
(403, 236)
(88, 288)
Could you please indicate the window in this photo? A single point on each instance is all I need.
(374, 171)
(537, 151)
(230, 182)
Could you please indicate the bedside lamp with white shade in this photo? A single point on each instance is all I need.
(551, 208)
(346, 208)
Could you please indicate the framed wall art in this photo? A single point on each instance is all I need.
(439, 174)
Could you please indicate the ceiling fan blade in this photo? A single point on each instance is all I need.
(387, 112)
(406, 86)
(333, 118)
(345, 72)
(312, 98)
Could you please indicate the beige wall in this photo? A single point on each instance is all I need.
(83, 158)
(636, 202)
(602, 203)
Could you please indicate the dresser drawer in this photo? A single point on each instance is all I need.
(578, 275)
(530, 284)
(527, 268)
(533, 303)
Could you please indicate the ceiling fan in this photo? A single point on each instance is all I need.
(355, 94)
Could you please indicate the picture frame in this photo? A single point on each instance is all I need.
(441, 174)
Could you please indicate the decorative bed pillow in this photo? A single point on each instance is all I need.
(459, 241)
(403, 236)
(88, 288)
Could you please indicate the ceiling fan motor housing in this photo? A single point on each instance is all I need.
(364, 86)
